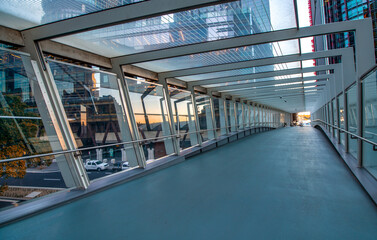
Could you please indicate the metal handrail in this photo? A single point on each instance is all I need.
(84, 149)
(214, 129)
(99, 147)
(104, 146)
(347, 132)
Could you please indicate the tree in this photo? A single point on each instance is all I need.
(14, 137)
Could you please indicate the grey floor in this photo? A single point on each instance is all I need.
(283, 184)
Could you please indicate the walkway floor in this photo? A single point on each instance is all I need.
(283, 184)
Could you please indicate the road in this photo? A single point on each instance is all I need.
(47, 179)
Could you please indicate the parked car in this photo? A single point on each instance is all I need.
(120, 166)
(96, 165)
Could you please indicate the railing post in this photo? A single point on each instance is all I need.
(72, 169)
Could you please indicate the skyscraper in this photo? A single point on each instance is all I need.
(330, 11)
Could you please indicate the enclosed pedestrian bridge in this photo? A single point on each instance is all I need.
(168, 119)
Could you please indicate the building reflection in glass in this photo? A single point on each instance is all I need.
(22, 131)
(183, 117)
(150, 111)
(92, 104)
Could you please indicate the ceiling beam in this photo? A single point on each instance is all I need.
(11, 36)
(235, 87)
(266, 96)
(65, 51)
(262, 75)
(274, 91)
(14, 37)
(256, 63)
(141, 72)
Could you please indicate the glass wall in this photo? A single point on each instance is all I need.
(151, 115)
(22, 129)
(325, 115)
(184, 120)
(335, 116)
(252, 116)
(264, 117)
(329, 109)
(218, 105)
(95, 113)
(26, 129)
(205, 117)
(330, 114)
(352, 118)
(246, 108)
(370, 122)
(231, 115)
(239, 116)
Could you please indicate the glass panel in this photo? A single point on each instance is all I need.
(330, 115)
(184, 119)
(252, 116)
(329, 110)
(21, 14)
(220, 57)
(205, 117)
(240, 121)
(341, 118)
(150, 111)
(218, 104)
(95, 113)
(370, 122)
(352, 119)
(231, 116)
(227, 20)
(335, 116)
(25, 129)
(247, 115)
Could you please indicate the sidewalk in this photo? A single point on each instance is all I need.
(50, 169)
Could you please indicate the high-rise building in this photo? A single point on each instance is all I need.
(56, 10)
(330, 11)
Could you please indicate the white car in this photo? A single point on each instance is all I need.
(120, 166)
(96, 165)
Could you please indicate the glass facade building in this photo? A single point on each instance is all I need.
(342, 10)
